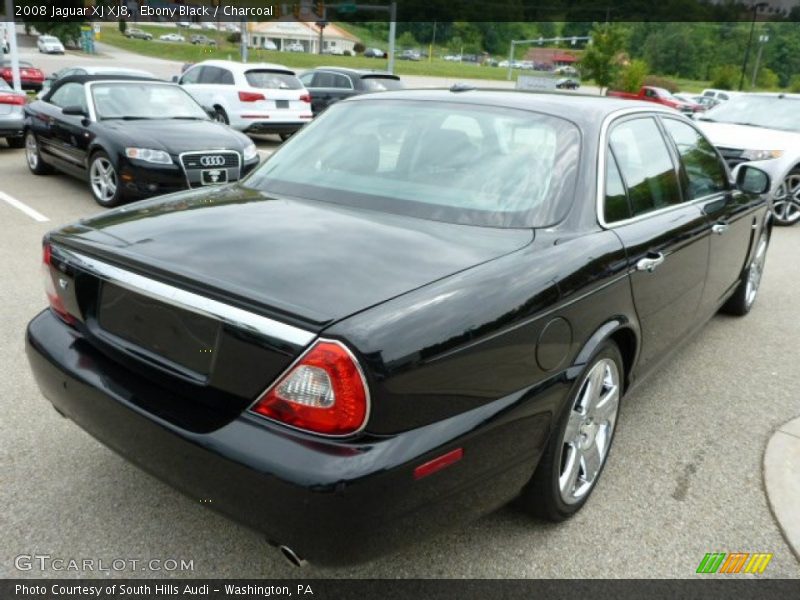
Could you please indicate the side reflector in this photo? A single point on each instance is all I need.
(439, 463)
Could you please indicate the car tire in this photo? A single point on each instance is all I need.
(16, 142)
(786, 202)
(104, 180)
(221, 116)
(747, 291)
(33, 155)
(578, 448)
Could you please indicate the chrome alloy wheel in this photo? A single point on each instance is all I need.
(756, 271)
(786, 203)
(103, 179)
(31, 151)
(590, 427)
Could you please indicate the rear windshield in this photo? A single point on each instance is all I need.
(22, 63)
(272, 80)
(380, 84)
(459, 163)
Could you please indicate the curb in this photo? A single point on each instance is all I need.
(782, 481)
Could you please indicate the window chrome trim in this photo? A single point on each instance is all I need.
(601, 166)
(230, 315)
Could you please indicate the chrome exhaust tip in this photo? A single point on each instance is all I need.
(291, 557)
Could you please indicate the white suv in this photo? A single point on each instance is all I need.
(250, 97)
(765, 129)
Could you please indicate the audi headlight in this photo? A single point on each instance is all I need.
(761, 154)
(158, 157)
(250, 152)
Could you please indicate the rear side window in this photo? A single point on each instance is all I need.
(703, 172)
(272, 80)
(645, 164)
(380, 84)
(616, 203)
(192, 75)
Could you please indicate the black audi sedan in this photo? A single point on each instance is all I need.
(331, 84)
(131, 137)
(371, 338)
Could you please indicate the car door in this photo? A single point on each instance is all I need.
(69, 133)
(665, 237)
(731, 214)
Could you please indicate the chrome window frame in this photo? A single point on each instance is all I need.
(608, 122)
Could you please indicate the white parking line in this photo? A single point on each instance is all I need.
(33, 214)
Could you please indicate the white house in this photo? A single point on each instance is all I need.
(285, 32)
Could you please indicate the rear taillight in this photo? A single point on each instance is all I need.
(305, 98)
(251, 96)
(53, 297)
(12, 99)
(323, 392)
(5, 73)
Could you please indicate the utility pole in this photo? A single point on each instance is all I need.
(392, 34)
(762, 40)
(756, 8)
(244, 39)
(11, 30)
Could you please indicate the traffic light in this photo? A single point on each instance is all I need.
(319, 9)
(296, 11)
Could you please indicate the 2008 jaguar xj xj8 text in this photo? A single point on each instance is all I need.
(424, 305)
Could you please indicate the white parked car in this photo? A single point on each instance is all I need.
(762, 129)
(720, 95)
(209, 26)
(251, 97)
(269, 45)
(172, 37)
(50, 44)
(294, 47)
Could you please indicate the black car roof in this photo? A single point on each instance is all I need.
(359, 72)
(83, 79)
(573, 107)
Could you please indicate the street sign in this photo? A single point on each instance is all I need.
(344, 8)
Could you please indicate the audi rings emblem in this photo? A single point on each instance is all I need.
(212, 161)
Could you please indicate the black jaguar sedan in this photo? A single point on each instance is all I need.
(371, 338)
(131, 137)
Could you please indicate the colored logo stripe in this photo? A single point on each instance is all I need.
(735, 562)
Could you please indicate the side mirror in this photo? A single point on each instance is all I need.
(752, 180)
(174, 79)
(74, 111)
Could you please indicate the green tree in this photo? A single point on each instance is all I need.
(123, 26)
(794, 84)
(631, 77)
(407, 40)
(767, 79)
(725, 77)
(69, 32)
(601, 60)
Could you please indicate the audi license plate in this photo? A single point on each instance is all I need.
(213, 176)
(281, 104)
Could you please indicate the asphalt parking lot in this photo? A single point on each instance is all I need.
(684, 476)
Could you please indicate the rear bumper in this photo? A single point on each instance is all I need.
(332, 502)
(11, 125)
(273, 127)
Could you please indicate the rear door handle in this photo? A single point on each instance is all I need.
(650, 262)
(719, 228)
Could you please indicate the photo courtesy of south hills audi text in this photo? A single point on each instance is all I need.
(159, 590)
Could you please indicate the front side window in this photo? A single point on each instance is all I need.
(69, 94)
(645, 164)
(703, 172)
(450, 162)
